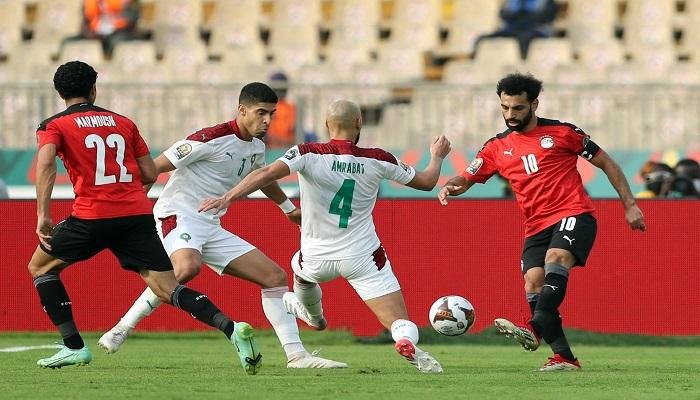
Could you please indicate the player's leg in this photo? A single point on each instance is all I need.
(186, 264)
(251, 264)
(375, 283)
(571, 243)
(69, 243)
(182, 240)
(306, 301)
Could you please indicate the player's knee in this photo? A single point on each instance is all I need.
(560, 256)
(532, 287)
(276, 277)
(186, 271)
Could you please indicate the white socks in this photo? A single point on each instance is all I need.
(403, 328)
(309, 294)
(284, 323)
(142, 307)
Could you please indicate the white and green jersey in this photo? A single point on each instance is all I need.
(339, 183)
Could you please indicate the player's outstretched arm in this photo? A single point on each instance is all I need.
(45, 179)
(617, 179)
(274, 192)
(252, 182)
(454, 187)
(427, 179)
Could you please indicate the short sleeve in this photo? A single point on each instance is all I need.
(48, 134)
(483, 166)
(140, 146)
(399, 171)
(293, 158)
(185, 152)
(580, 143)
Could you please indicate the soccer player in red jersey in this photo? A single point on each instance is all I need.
(108, 163)
(538, 157)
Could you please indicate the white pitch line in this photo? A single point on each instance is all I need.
(26, 348)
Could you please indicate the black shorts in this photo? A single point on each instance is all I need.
(132, 239)
(575, 234)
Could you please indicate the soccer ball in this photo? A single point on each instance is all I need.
(452, 315)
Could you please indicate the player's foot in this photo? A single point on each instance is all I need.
(559, 363)
(419, 358)
(305, 359)
(113, 339)
(67, 356)
(524, 335)
(294, 307)
(248, 352)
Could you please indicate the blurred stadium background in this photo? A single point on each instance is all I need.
(626, 71)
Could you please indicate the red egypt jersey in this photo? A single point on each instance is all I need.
(99, 149)
(540, 166)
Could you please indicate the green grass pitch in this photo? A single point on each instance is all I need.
(204, 366)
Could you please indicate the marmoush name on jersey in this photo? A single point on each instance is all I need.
(348, 167)
(94, 121)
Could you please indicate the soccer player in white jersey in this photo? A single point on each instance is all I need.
(339, 182)
(206, 164)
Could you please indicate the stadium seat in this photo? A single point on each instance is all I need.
(294, 34)
(136, 60)
(11, 22)
(648, 26)
(465, 72)
(401, 65)
(176, 21)
(235, 27)
(183, 62)
(56, 20)
(354, 23)
(89, 51)
(690, 42)
(599, 56)
(415, 24)
(545, 55)
(591, 22)
(497, 52)
(470, 18)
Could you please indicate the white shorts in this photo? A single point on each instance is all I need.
(217, 246)
(371, 275)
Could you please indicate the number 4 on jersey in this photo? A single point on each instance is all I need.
(342, 202)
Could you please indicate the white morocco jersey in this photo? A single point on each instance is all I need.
(339, 183)
(208, 163)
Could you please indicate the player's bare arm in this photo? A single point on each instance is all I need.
(45, 179)
(254, 181)
(454, 187)
(428, 178)
(617, 179)
(275, 193)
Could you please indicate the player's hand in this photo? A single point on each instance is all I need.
(44, 227)
(635, 218)
(216, 204)
(449, 190)
(440, 147)
(295, 216)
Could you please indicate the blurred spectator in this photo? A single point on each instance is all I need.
(525, 20)
(689, 169)
(659, 180)
(282, 132)
(644, 171)
(3, 190)
(682, 188)
(110, 21)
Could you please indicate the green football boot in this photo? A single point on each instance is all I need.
(247, 350)
(67, 356)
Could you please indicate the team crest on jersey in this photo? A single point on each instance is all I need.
(547, 142)
(291, 153)
(474, 166)
(182, 151)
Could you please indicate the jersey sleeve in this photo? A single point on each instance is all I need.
(483, 166)
(580, 143)
(294, 159)
(185, 152)
(48, 134)
(399, 172)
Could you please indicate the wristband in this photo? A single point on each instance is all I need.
(287, 206)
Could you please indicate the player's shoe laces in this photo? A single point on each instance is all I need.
(559, 363)
(312, 360)
(113, 339)
(525, 335)
(294, 307)
(67, 356)
(248, 352)
(419, 358)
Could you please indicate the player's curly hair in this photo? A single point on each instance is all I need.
(74, 79)
(517, 83)
(257, 92)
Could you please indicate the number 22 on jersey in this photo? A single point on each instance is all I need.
(342, 202)
(113, 140)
